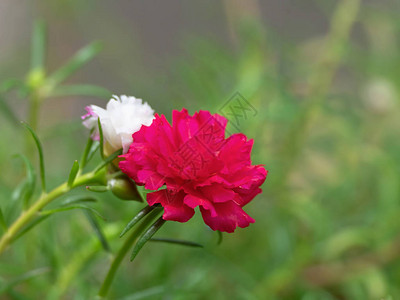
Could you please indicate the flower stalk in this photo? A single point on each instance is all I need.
(136, 233)
(44, 199)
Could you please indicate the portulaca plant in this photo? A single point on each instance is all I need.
(184, 164)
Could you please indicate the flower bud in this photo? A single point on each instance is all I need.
(124, 188)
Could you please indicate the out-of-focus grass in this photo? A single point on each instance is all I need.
(327, 222)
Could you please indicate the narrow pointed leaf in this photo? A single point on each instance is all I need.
(97, 188)
(86, 152)
(7, 111)
(146, 236)
(92, 151)
(40, 150)
(25, 277)
(78, 199)
(75, 63)
(177, 242)
(101, 138)
(73, 173)
(80, 90)
(98, 231)
(29, 186)
(28, 227)
(220, 237)
(136, 219)
(62, 209)
(108, 160)
(3, 223)
(38, 46)
(10, 84)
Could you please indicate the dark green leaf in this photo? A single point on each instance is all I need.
(81, 90)
(76, 62)
(108, 160)
(3, 223)
(25, 277)
(136, 219)
(38, 46)
(41, 158)
(178, 242)
(147, 235)
(97, 229)
(220, 237)
(73, 173)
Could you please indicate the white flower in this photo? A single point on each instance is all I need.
(123, 116)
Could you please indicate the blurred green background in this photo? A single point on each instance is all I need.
(323, 77)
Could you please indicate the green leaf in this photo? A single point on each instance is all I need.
(220, 237)
(178, 242)
(101, 138)
(7, 111)
(136, 219)
(76, 62)
(98, 231)
(28, 227)
(29, 185)
(86, 152)
(3, 223)
(73, 173)
(25, 277)
(97, 188)
(40, 150)
(77, 199)
(71, 207)
(9, 84)
(80, 90)
(108, 160)
(147, 235)
(38, 46)
(92, 151)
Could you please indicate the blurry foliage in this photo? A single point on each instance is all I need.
(327, 222)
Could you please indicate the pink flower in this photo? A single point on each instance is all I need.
(199, 166)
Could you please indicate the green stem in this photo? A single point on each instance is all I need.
(123, 251)
(27, 215)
